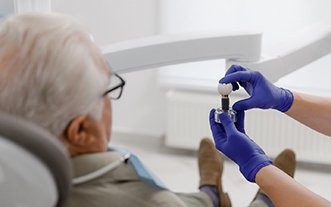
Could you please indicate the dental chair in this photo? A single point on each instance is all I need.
(35, 170)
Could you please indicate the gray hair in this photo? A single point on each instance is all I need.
(50, 71)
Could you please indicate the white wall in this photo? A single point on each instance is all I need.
(111, 21)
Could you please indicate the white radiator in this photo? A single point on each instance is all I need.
(187, 123)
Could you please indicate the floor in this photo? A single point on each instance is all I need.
(179, 171)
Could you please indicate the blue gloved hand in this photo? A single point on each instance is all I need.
(263, 94)
(232, 141)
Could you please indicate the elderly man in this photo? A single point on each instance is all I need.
(53, 75)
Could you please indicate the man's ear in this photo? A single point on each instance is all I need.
(82, 131)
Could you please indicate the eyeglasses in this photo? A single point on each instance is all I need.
(115, 91)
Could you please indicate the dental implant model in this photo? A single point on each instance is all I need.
(224, 90)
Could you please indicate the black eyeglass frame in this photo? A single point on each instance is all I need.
(120, 85)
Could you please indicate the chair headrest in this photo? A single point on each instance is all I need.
(41, 145)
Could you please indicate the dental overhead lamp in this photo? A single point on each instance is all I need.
(242, 48)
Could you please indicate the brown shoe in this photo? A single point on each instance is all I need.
(211, 169)
(286, 162)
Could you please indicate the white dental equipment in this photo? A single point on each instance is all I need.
(165, 50)
(242, 48)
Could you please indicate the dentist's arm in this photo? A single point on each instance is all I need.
(283, 190)
(312, 111)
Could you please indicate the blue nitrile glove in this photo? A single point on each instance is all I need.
(232, 141)
(263, 94)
